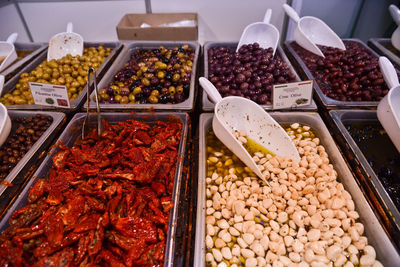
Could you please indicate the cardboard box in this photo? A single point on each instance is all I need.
(129, 27)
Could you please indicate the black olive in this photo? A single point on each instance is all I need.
(181, 50)
(168, 76)
(164, 99)
(128, 74)
(139, 96)
(155, 51)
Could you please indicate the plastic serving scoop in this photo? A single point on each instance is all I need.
(7, 51)
(395, 13)
(235, 113)
(1, 83)
(264, 33)
(389, 107)
(65, 43)
(5, 124)
(311, 31)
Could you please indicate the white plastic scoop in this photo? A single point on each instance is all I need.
(1, 83)
(235, 113)
(5, 124)
(65, 43)
(7, 51)
(311, 31)
(395, 13)
(389, 107)
(265, 34)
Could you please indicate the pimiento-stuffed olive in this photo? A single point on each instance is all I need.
(153, 76)
(69, 70)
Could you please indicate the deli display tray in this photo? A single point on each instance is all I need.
(323, 100)
(386, 252)
(23, 169)
(17, 66)
(124, 57)
(341, 118)
(208, 106)
(77, 102)
(382, 45)
(72, 133)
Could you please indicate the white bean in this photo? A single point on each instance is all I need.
(333, 252)
(258, 249)
(226, 253)
(313, 235)
(209, 257)
(209, 242)
(251, 262)
(219, 243)
(247, 253)
(217, 254)
(367, 260)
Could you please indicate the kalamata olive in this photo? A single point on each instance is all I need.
(348, 72)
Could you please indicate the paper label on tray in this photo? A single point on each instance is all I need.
(49, 94)
(292, 95)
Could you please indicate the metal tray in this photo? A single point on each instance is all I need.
(340, 117)
(14, 68)
(385, 250)
(124, 57)
(30, 155)
(378, 44)
(325, 101)
(77, 102)
(207, 105)
(73, 131)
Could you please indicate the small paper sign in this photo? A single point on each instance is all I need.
(292, 95)
(50, 94)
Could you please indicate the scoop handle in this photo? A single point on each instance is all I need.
(267, 16)
(212, 92)
(70, 27)
(1, 83)
(291, 13)
(12, 38)
(395, 13)
(389, 73)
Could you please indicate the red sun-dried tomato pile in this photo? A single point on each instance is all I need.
(106, 202)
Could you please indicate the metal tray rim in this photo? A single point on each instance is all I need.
(327, 101)
(57, 119)
(376, 44)
(186, 105)
(24, 60)
(169, 256)
(207, 105)
(336, 116)
(387, 254)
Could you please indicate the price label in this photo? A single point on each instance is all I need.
(50, 94)
(292, 95)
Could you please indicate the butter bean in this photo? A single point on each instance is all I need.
(226, 253)
(247, 253)
(248, 238)
(251, 262)
(219, 243)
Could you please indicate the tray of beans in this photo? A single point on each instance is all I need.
(250, 73)
(348, 78)
(70, 71)
(370, 150)
(26, 52)
(108, 200)
(384, 47)
(31, 132)
(311, 213)
(151, 75)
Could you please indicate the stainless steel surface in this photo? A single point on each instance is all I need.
(327, 102)
(77, 102)
(72, 133)
(57, 119)
(378, 44)
(131, 47)
(385, 250)
(340, 117)
(36, 48)
(207, 105)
